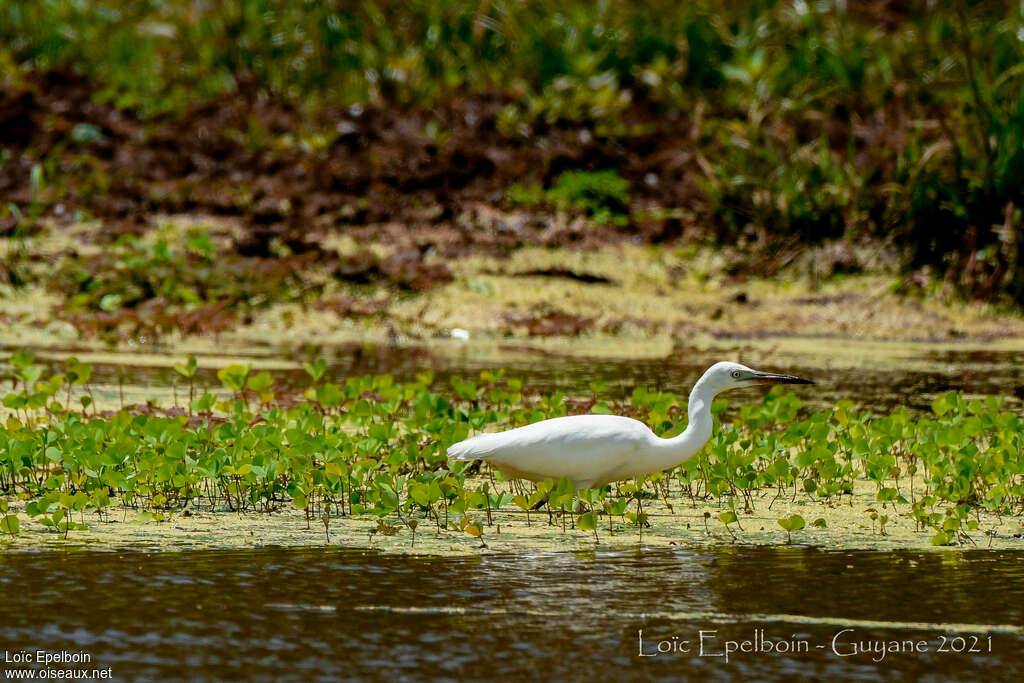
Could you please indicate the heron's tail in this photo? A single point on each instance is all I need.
(478, 447)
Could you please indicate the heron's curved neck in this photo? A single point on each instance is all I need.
(667, 453)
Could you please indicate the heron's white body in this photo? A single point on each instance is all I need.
(599, 449)
(589, 449)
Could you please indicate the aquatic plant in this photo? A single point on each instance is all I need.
(375, 447)
(9, 524)
(790, 524)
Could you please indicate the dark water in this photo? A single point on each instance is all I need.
(879, 386)
(329, 614)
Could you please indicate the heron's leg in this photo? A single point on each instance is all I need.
(542, 502)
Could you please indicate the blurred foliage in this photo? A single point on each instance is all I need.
(159, 55)
(602, 195)
(900, 121)
(130, 273)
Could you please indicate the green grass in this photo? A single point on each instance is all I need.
(160, 55)
(601, 195)
(370, 446)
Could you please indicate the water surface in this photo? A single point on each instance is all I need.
(327, 614)
(876, 376)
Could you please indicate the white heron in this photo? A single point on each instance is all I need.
(593, 450)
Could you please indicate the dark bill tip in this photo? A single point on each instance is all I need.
(771, 378)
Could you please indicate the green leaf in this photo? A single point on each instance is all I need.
(10, 525)
(22, 358)
(77, 371)
(315, 370)
(792, 523)
(31, 373)
(233, 376)
(329, 395)
(187, 369)
(419, 495)
(261, 381)
(35, 508)
(204, 403)
(588, 521)
(888, 494)
(15, 401)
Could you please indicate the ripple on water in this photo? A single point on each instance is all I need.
(326, 613)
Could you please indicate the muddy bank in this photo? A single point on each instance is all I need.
(291, 176)
(280, 184)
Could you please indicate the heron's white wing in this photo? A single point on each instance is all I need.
(583, 448)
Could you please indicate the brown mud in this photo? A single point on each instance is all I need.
(375, 172)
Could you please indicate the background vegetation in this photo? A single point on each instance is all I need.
(764, 124)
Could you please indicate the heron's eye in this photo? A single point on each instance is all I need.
(736, 374)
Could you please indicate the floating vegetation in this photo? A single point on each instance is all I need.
(374, 448)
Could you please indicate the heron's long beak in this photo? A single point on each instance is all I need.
(772, 378)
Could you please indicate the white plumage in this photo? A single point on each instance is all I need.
(599, 449)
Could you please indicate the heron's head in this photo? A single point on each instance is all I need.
(724, 375)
